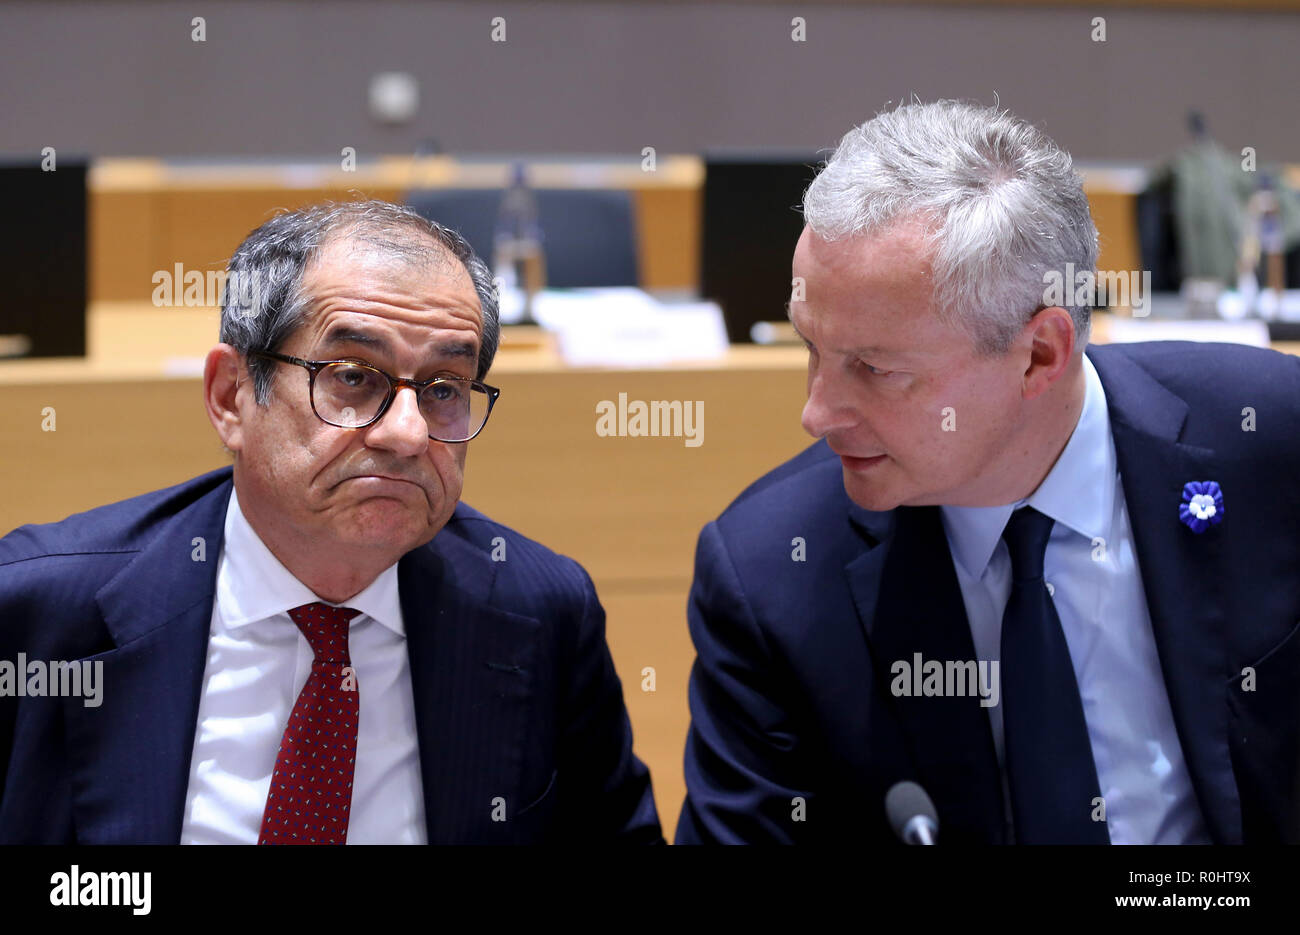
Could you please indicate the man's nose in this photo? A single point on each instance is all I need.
(402, 429)
(827, 408)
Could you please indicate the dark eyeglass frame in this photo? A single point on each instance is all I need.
(394, 384)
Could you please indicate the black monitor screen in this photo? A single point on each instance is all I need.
(43, 259)
(752, 221)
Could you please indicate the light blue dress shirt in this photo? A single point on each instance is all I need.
(1092, 570)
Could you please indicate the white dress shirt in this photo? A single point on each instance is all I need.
(257, 664)
(1092, 568)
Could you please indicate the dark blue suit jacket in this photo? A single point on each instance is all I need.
(515, 693)
(790, 689)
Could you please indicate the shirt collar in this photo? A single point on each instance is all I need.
(252, 584)
(1078, 492)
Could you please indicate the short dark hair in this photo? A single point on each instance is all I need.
(263, 303)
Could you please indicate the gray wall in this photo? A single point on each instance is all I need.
(287, 77)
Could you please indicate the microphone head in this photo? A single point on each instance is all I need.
(905, 801)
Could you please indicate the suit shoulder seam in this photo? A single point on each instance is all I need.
(60, 554)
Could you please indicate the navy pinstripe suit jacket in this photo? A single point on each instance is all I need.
(515, 693)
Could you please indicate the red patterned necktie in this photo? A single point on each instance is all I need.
(311, 789)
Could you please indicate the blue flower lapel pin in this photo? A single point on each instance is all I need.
(1202, 505)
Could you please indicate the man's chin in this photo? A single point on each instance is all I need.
(870, 495)
(388, 523)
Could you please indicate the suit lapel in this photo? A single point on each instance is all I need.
(474, 672)
(907, 596)
(1179, 569)
(130, 757)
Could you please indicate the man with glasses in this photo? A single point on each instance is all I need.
(321, 644)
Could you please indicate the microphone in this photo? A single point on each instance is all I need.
(911, 814)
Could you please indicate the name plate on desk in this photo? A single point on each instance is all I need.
(1125, 330)
(625, 327)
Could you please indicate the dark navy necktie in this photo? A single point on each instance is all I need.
(1048, 755)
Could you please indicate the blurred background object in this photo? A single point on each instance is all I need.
(1215, 226)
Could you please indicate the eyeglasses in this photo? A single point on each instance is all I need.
(350, 395)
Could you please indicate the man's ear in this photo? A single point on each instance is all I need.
(1051, 334)
(227, 394)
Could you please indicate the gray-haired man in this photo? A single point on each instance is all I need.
(317, 646)
(1058, 590)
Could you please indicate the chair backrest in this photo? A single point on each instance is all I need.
(587, 235)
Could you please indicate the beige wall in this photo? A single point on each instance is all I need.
(278, 77)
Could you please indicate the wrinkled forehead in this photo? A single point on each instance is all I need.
(359, 272)
(872, 296)
(365, 296)
(871, 273)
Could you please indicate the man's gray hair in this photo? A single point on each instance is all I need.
(263, 301)
(1000, 201)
